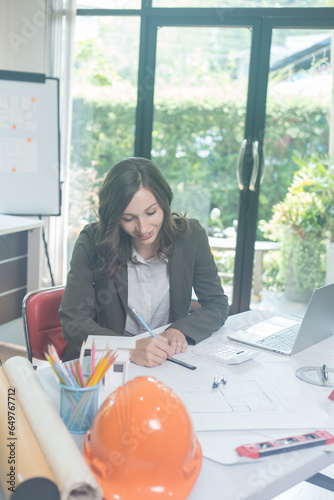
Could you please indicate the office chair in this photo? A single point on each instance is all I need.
(41, 322)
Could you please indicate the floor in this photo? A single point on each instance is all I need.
(12, 341)
(276, 301)
(8, 350)
(307, 491)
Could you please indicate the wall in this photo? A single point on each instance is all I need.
(23, 35)
(26, 38)
(24, 46)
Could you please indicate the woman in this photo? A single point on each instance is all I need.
(140, 256)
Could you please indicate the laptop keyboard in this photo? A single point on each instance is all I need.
(282, 340)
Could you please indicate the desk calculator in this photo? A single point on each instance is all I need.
(217, 350)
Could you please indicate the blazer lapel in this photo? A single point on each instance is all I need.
(176, 282)
(121, 285)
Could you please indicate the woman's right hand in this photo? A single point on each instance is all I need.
(151, 351)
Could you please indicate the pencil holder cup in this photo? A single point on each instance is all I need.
(78, 407)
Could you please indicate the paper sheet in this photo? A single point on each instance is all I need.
(73, 476)
(248, 400)
(18, 443)
(220, 446)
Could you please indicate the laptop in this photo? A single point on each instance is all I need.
(286, 335)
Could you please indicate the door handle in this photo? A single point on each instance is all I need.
(256, 165)
(240, 164)
(263, 165)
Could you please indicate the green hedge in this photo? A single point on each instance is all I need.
(194, 145)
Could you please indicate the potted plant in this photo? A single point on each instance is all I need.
(302, 223)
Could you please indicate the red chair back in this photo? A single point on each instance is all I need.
(42, 323)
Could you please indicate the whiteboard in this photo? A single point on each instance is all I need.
(29, 146)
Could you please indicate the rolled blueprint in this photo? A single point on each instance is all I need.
(36, 488)
(21, 457)
(73, 476)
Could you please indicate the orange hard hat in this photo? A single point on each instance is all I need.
(142, 444)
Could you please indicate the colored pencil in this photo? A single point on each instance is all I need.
(71, 374)
(82, 352)
(145, 324)
(93, 357)
(82, 380)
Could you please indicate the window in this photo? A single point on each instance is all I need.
(104, 107)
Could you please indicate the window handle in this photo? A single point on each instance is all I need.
(256, 165)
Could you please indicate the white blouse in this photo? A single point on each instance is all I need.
(148, 293)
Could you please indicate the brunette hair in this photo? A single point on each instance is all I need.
(120, 185)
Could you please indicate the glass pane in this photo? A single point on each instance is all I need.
(104, 105)
(108, 4)
(243, 3)
(199, 120)
(296, 197)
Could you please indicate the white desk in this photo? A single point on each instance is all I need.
(258, 480)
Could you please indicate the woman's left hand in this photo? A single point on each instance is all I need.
(176, 340)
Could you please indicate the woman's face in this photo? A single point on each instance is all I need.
(142, 220)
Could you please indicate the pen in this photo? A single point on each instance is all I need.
(177, 361)
(324, 374)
